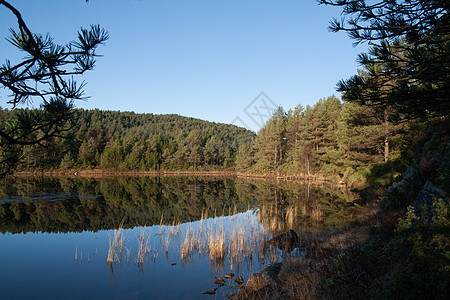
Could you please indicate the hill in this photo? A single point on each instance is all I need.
(115, 140)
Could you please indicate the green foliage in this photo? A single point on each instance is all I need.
(66, 162)
(407, 66)
(409, 221)
(400, 195)
(129, 141)
(413, 263)
(432, 164)
(245, 157)
(112, 158)
(441, 213)
(383, 175)
(433, 160)
(344, 140)
(360, 174)
(45, 74)
(427, 248)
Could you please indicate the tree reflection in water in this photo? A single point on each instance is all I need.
(184, 219)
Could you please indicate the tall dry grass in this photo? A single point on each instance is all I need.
(237, 239)
(116, 245)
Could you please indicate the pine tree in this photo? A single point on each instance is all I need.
(271, 142)
(44, 75)
(408, 61)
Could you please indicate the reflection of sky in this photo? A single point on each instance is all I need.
(43, 265)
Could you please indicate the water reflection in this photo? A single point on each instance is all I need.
(182, 232)
(103, 204)
(86, 204)
(230, 242)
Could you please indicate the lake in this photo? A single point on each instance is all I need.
(151, 237)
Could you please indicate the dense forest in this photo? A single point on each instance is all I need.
(334, 138)
(115, 140)
(389, 134)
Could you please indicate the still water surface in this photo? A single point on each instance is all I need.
(164, 237)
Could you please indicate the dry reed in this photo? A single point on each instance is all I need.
(115, 246)
(237, 239)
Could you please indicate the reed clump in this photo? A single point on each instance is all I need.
(242, 239)
(189, 245)
(216, 243)
(236, 239)
(143, 248)
(116, 246)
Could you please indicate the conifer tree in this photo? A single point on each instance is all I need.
(408, 62)
(271, 141)
(45, 75)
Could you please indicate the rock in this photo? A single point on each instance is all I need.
(219, 281)
(239, 280)
(426, 197)
(211, 291)
(398, 195)
(287, 241)
(408, 174)
(267, 278)
(262, 285)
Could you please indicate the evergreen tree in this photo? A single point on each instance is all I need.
(271, 141)
(67, 162)
(408, 62)
(245, 158)
(46, 75)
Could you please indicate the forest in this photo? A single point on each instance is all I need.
(343, 140)
(388, 136)
(113, 140)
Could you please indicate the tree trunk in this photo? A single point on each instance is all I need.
(275, 161)
(307, 165)
(386, 149)
(386, 136)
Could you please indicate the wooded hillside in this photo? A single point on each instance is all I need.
(127, 141)
(332, 138)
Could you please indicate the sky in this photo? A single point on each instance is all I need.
(223, 61)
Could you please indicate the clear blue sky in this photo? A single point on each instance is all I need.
(203, 59)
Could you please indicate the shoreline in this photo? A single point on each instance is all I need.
(101, 173)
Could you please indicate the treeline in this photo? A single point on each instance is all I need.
(330, 138)
(127, 141)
